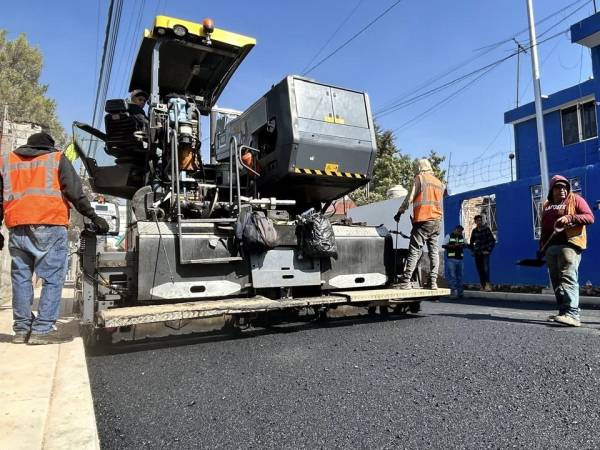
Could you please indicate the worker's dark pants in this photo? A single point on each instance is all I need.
(482, 262)
(423, 233)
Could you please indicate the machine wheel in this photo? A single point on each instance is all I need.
(232, 326)
(371, 311)
(414, 307)
(384, 311)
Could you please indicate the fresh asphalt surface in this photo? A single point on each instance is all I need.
(470, 375)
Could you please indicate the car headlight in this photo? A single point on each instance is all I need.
(179, 30)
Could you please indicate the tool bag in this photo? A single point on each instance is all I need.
(256, 231)
(315, 235)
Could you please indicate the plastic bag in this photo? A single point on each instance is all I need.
(316, 235)
(256, 231)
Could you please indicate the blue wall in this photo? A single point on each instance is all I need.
(514, 211)
(560, 158)
(514, 218)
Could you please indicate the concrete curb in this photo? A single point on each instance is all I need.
(71, 420)
(525, 297)
(45, 396)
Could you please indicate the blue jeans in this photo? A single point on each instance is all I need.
(39, 249)
(455, 275)
(563, 265)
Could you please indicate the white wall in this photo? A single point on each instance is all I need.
(382, 213)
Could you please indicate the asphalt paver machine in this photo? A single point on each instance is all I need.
(300, 147)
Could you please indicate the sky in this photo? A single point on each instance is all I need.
(398, 58)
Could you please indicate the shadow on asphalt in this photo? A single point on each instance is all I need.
(472, 316)
(220, 335)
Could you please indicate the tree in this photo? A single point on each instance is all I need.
(393, 167)
(20, 88)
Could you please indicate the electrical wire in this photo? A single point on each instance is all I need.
(402, 104)
(354, 36)
(334, 34)
(413, 95)
(111, 38)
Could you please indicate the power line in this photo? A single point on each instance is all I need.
(444, 101)
(443, 86)
(482, 52)
(316, 55)
(362, 30)
(123, 51)
(111, 36)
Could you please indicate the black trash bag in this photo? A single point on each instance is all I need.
(256, 231)
(315, 235)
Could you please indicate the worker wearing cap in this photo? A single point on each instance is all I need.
(454, 245)
(426, 196)
(137, 100)
(37, 182)
(564, 218)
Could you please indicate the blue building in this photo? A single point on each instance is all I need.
(572, 146)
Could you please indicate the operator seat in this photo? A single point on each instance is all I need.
(125, 124)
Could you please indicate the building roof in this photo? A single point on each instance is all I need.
(587, 31)
(557, 100)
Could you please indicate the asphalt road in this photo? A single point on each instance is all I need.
(454, 376)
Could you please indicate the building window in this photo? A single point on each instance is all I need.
(484, 206)
(537, 203)
(579, 122)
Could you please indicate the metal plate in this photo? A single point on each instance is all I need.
(391, 294)
(280, 267)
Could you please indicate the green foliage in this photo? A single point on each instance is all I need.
(20, 89)
(393, 167)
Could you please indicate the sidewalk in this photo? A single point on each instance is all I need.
(524, 297)
(45, 391)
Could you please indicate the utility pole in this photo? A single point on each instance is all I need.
(539, 112)
(520, 49)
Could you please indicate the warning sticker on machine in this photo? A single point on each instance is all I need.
(331, 167)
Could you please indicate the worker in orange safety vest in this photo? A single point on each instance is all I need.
(37, 184)
(426, 196)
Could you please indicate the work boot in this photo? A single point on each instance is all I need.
(53, 337)
(567, 320)
(433, 285)
(488, 287)
(403, 284)
(20, 337)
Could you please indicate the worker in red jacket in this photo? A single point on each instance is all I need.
(564, 219)
(38, 183)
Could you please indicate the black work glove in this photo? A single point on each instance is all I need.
(101, 225)
(1, 241)
(397, 216)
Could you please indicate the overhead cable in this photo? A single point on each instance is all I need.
(361, 31)
(482, 52)
(337, 30)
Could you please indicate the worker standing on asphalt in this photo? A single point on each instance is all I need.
(37, 181)
(454, 245)
(564, 217)
(482, 244)
(426, 195)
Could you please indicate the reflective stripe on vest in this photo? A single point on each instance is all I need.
(31, 190)
(454, 252)
(427, 203)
